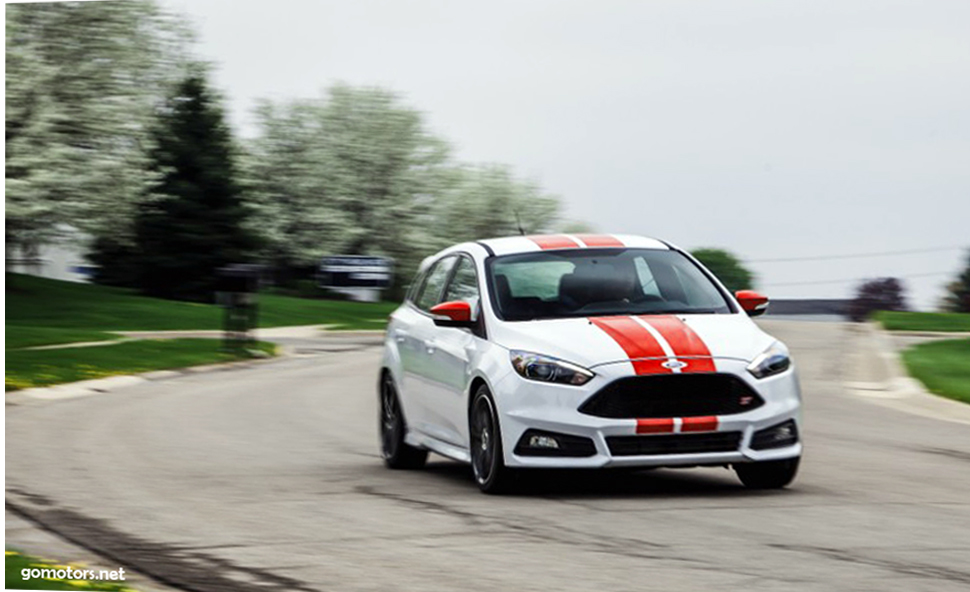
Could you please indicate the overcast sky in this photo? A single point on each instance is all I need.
(775, 129)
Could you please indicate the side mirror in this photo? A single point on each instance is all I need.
(455, 313)
(752, 302)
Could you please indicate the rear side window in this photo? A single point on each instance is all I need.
(430, 292)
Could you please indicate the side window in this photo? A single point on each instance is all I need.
(430, 292)
(415, 286)
(696, 295)
(464, 285)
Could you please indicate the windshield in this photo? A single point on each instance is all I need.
(600, 282)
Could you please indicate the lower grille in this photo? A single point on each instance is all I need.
(674, 444)
(672, 395)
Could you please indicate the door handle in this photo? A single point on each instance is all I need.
(430, 346)
(400, 336)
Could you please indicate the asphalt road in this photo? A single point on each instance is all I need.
(269, 478)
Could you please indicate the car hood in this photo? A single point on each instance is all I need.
(596, 341)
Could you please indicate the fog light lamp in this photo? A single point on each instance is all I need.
(776, 436)
(539, 441)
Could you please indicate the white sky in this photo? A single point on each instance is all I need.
(773, 128)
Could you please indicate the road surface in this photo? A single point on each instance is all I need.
(268, 478)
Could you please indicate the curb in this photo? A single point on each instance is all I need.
(897, 389)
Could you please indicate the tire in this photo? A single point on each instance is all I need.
(488, 461)
(773, 474)
(396, 454)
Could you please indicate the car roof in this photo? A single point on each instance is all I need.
(540, 242)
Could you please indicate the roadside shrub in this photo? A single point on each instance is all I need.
(878, 294)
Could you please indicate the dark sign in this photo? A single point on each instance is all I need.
(355, 271)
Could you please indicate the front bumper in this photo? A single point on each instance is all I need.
(528, 405)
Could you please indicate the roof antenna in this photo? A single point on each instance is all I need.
(518, 224)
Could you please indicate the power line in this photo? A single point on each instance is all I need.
(853, 280)
(856, 255)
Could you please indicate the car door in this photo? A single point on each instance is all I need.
(454, 350)
(414, 338)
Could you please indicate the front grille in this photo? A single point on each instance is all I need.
(674, 443)
(672, 395)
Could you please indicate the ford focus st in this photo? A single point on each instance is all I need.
(586, 351)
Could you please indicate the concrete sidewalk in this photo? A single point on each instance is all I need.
(266, 334)
(274, 334)
(876, 372)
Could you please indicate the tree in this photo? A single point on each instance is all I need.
(284, 176)
(878, 294)
(726, 267)
(357, 172)
(83, 80)
(958, 291)
(195, 220)
(352, 173)
(488, 201)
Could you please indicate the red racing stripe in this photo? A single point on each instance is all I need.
(599, 240)
(655, 426)
(636, 341)
(683, 341)
(554, 241)
(699, 424)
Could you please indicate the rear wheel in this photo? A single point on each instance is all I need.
(773, 474)
(397, 454)
(488, 462)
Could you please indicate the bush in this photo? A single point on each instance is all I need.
(879, 294)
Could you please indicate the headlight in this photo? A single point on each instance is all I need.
(546, 369)
(773, 360)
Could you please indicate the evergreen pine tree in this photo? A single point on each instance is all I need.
(194, 222)
(958, 291)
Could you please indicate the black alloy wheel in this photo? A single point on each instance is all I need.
(396, 453)
(488, 464)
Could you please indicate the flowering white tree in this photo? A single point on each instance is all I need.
(350, 173)
(357, 172)
(83, 80)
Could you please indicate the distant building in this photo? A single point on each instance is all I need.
(57, 260)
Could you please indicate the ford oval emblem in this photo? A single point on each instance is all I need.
(674, 364)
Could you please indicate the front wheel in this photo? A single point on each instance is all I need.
(396, 454)
(772, 474)
(488, 463)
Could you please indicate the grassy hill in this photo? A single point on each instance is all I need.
(48, 312)
(41, 311)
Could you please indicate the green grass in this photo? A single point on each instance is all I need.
(41, 311)
(923, 321)
(279, 311)
(943, 366)
(15, 562)
(33, 368)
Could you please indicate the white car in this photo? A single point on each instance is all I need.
(584, 351)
